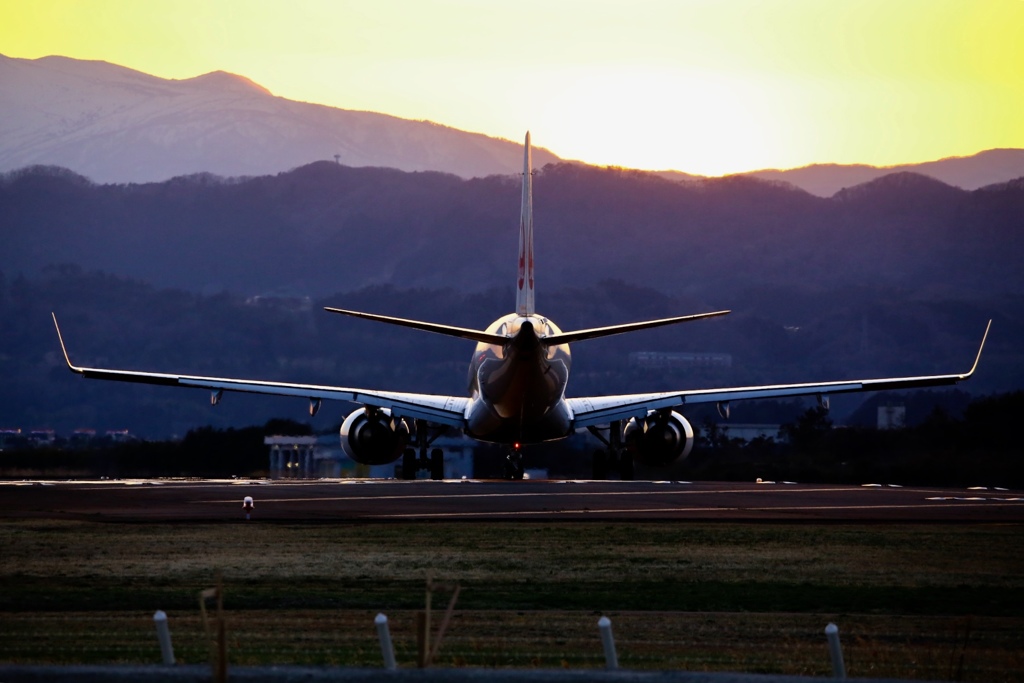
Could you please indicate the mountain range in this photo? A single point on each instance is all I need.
(326, 227)
(116, 125)
(969, 173)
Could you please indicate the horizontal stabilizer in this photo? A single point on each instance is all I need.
(450, 330)
(593, 333)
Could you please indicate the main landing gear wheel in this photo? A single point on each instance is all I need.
(409, 464)
(436, 464)
(416, 459)
(607, 461)
(614, 458)
(600, 464)
(625, 466)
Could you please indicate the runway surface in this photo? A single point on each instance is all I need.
(387, 500)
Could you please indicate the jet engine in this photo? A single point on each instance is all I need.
(659, 439)
(371, 436)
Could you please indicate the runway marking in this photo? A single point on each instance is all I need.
(520, 513)
(526, 494)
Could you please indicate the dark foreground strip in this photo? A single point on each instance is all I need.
(297, 674)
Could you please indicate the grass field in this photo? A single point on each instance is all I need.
(917, 601)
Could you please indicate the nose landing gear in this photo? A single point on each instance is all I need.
(514, 463)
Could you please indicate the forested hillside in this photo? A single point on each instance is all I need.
(325, 228)
(114, 322)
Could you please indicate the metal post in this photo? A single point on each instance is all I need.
(163, 634)
(835, 651)
(611, 660)
(386, 648)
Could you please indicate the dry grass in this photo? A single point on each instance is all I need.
(907, 556)
(929, 601)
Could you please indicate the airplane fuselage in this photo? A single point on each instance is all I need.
(517, 391)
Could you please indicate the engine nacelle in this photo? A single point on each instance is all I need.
(373, 437)
(659, 439)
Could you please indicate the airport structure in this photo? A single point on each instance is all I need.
(892, 416)
(749, 432)
(292, 456)
(15, 437)
(313, 457)
(656, 360)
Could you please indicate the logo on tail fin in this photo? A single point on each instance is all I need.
(524, 297)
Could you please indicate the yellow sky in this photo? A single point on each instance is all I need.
(705, 86)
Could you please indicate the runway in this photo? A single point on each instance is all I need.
(156, 500)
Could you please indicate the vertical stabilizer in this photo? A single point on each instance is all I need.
(524, 291)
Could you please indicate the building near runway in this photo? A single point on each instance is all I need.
(749, 432)
(314, 457)
(292, 457)
(657, 360)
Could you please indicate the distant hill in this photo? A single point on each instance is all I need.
(116, 125)
(325, 227)
(969, 173)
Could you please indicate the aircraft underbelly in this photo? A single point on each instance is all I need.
(485, 424)
(520, 401)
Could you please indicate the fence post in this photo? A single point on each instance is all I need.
(611, 660)
(835, 651)
(163, 634)
(386, 648)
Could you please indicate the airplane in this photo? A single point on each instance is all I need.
(517, 390)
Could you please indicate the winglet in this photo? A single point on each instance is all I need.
(524, 283)
(980, 348)
(62, 347)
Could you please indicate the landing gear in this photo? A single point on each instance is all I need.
(600, 463)
(514, 464)
(409, 464)
(607, 461)
(625, 465)
(437, 464)
(413, 462)
(615, 457)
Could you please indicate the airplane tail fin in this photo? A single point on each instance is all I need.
(524, 291)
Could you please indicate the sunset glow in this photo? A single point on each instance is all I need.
(696, 85)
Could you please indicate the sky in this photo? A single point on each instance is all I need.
(701, 86)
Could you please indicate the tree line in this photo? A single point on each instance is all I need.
(979, 448)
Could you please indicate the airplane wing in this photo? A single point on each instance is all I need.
(596, 410)
(446, 410)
